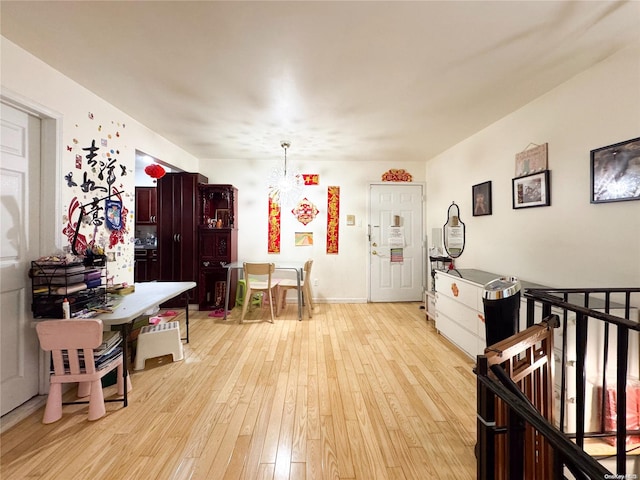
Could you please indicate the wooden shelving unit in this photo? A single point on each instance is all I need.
(84, 286)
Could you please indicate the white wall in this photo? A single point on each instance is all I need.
(27, 79)
(571, 243)
(342, 277)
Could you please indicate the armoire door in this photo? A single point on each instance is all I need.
(177, 226)
(167, 231)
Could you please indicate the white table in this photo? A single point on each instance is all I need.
(298, 267)
(146, 296)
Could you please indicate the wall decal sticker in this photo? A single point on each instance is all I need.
(70, 228)
(98, 168)
(69, 179)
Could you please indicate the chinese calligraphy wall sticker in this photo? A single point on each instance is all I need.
(95, 176)
(305, 211)
(333, 218)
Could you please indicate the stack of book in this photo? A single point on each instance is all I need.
(109, 349)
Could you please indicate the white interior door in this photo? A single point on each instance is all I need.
(19, 244)
(396, 242)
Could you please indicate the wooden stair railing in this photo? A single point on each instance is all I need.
(516, 437)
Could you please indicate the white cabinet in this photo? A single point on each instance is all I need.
(459, 312)
(460, 318)
(459, 308)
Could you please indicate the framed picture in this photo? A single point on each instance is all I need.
(223, 215)
(615, 172)
(532, 160)
(481, 199)
(532, 190)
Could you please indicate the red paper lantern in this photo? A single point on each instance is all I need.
(154, 170)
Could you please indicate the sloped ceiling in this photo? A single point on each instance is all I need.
(340, 80)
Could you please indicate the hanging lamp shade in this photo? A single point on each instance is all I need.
(154, 170)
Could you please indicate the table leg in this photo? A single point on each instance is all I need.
(186, 314)
(299, 278)
(125, 333)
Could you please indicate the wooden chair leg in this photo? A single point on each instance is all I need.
(245, 303)
(281, 293)
(308, 299)
(271, 300)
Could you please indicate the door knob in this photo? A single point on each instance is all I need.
(374, 253)
(374, 244)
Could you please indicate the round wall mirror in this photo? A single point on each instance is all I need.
(453, 232)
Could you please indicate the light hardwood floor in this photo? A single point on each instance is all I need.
(360, 391)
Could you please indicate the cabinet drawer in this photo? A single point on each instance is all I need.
(461, 291)
(460, 313)
(465, 340)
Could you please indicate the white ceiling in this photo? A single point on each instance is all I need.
(340, 80)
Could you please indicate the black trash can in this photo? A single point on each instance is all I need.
(501, 299)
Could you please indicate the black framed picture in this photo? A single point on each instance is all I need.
(615, 172)
(481, 199)
(532, 190)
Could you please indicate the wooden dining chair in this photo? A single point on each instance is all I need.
(284, 285)
(73, 345)
(258, 278)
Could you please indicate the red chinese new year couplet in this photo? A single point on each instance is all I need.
(333, 218)
(273, 245)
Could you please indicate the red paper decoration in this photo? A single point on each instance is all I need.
(305, 211)
(333, 217)
(154, 170)
(273, 245)
(397, 175)
(311, 178)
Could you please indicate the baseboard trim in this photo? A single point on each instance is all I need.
(18, 414)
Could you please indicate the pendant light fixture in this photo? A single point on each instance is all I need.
(285, 184)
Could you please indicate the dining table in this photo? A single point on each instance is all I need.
(297, 267)
(146, 297)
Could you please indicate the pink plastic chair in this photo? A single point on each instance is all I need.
(72, 344)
